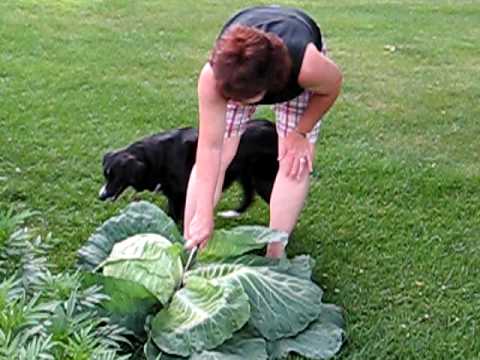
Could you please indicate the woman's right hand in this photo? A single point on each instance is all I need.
(199, 231)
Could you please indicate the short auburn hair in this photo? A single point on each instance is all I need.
(247, 61)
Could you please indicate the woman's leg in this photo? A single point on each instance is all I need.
(229, 150)
(236, 118)
(286, 203)
(288, 195)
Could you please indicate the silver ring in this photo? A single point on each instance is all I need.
(302, 159)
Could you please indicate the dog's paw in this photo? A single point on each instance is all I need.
(229, 214)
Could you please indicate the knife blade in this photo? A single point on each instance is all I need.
(191, 256)
(179, 285)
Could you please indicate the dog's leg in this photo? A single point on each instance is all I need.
(248, 195)
(176, 208)
(264, 189)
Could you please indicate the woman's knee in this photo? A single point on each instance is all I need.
(286, 162)
(284, 173)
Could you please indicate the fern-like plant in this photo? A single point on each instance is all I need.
(48, 315)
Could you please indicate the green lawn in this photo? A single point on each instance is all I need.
(393, 213)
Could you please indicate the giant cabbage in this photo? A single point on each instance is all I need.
(232, 304)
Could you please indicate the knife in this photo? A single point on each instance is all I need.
(191, 256)
(179, 285)
(193, 252)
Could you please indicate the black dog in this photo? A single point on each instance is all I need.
(163, 162)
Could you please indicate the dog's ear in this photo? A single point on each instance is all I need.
(141, 172)
(136, 169)
(108, 155)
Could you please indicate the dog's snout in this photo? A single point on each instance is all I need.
(103, 194)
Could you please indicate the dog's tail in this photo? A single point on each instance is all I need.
(248, 194)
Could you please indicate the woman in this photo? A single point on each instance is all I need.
(263, 55)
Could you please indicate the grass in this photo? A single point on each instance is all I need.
(392, 215)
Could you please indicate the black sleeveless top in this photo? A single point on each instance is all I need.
(294, 27)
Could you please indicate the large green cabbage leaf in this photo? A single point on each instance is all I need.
(321, 340)
(149, 260)
(240, 240)
(282, 304)
(300, 266)
(236, 349)
(137, 218)
(128, 303)
(239, 347)
(200, 317)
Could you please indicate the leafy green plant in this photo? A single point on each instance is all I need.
(231, 304)
(44, 315)
(10, 221)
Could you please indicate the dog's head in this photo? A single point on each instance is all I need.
(121, 169)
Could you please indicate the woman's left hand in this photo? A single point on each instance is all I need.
(297, 153)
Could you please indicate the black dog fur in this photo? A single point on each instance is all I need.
(163, 162)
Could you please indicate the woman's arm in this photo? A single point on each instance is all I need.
(320, 75)
(212, 108)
